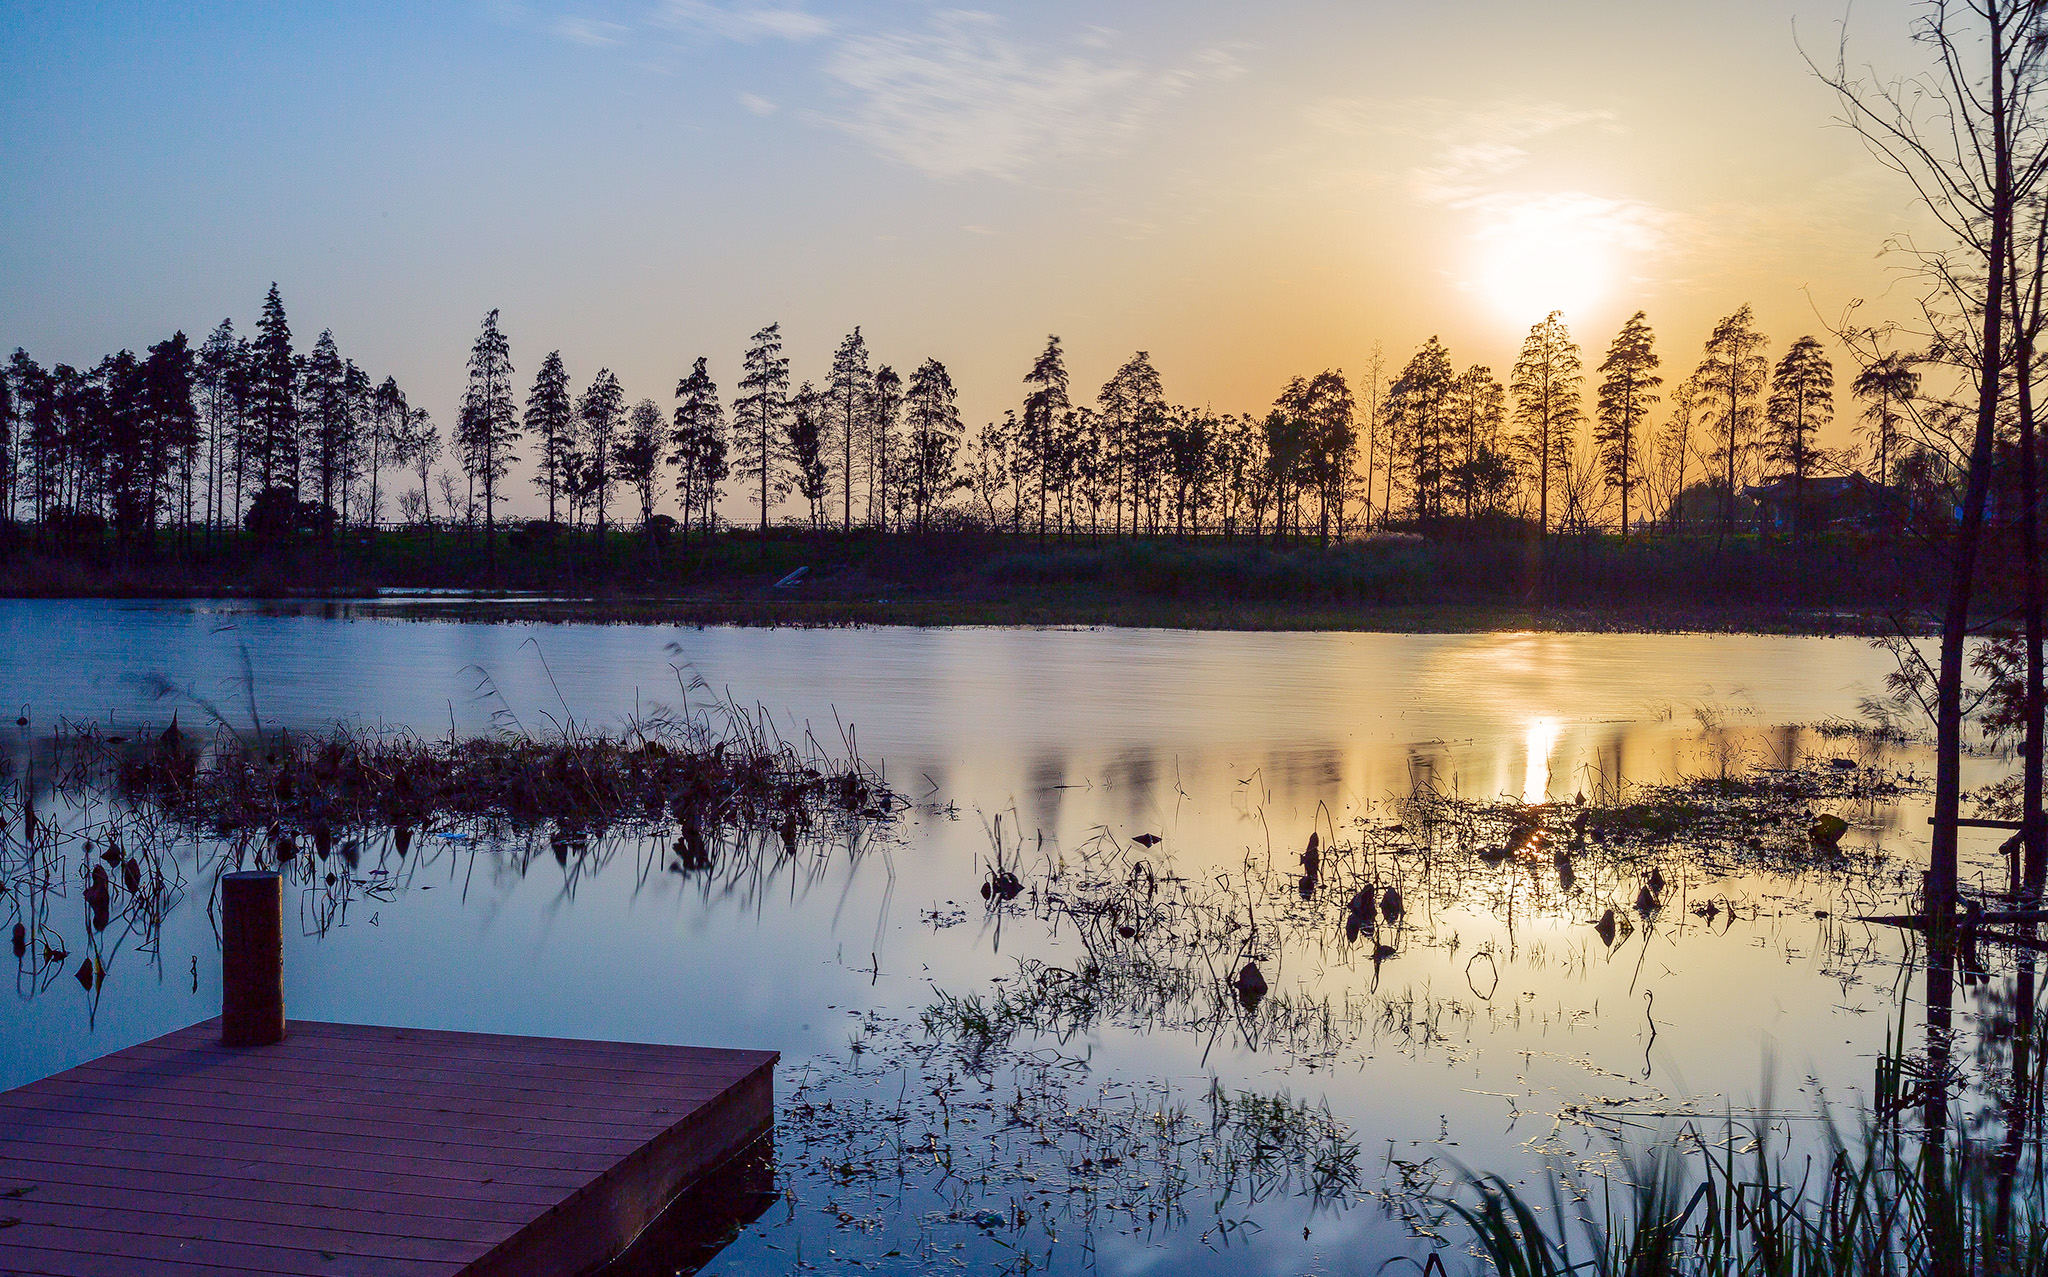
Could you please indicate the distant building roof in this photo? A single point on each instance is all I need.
(1822, 486)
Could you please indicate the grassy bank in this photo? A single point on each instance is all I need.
(1839, 583)
(1081, 608)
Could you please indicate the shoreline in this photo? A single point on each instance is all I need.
(1082, 613)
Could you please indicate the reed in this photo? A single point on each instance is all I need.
(1881, 1200)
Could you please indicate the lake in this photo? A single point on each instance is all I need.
(1498, 1029)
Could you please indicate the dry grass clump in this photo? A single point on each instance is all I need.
(1762, 818)
(296, 787)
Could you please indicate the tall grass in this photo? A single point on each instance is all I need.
(1885, 1202)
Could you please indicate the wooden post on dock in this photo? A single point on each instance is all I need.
(251, 959)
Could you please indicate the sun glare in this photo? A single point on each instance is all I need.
(1538, 257)
(1539, 740)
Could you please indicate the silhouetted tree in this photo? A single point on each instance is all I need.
(1628, 384)
(1483, 474)
(1802, 401)
(329, 418)
(880, 447)
(113, 449)
(273, 399)
(388, 412)
(1546, 388)
(220, 389)
(489, 425)
(551, 422)
(418, 448)
(804, 448)
(639, 456)
(1189, 438)
(988, 467)
(1887, 387)
(1322, 409)
(851, 390)
(759, 416)
(600, 410)
(1678, 442)
(37, 437)
(10, 431)
(1130, 406)
(1240, 469)
(697, 446)
(1730, 380)
(1969, 136)
(1038, 444)
(170, 382)
(147, 421)
(932, 421)
(1419, 413)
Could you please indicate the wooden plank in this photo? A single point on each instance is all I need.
(537, 1110)
(398, 1068)
(336, 1190)
(66, 1104)
(252, 1078)
(462, 1182)
(264, 1086)
(407, 1052)
(141, 1252)
(348, 1150)
(164, 1135)
(92, 1188)
(337, 1233)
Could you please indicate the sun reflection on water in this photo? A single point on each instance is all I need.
(1540, 737)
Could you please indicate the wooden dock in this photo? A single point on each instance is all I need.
(347, 1150)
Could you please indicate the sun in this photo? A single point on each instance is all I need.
(1533, 257)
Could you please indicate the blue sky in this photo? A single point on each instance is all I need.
(1246, 191)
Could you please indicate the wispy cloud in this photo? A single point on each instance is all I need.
(963, 98)
(1485, 159)
(594, 32)
(1467, 151)
(959, 97)
(745, 22)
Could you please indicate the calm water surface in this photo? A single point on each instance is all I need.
(1230, 748)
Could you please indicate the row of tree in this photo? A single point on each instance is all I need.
(1464, 443)
(250, 430)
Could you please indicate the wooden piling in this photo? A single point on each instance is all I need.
(251, 959)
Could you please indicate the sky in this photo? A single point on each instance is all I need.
(1248, 192)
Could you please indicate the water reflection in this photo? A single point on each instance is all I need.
(1539, 740)
(1519, 1003)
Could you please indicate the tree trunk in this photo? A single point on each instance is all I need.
(1948, 722)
